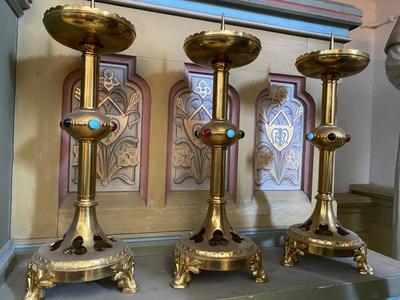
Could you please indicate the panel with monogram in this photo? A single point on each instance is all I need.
(280, 144)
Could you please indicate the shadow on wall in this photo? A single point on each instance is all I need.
(37, 145)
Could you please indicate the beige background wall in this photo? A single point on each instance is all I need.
(375, 104)
(42, 67)
(355, 107)
(386, 104)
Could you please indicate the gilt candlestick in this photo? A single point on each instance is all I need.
(215, 245)
(322, 234)
(85, 252)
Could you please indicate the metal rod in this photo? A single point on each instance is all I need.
(88, 147)
(332, 42)
(329, 94)
(327, 156)
(220, 108)
(220, 92)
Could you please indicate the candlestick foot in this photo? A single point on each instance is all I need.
(360, 257)
(37, 280)
(256, 268)
(124, 276)
(185, 265)
(291, 252)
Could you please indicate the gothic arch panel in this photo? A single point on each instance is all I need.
(284, 114)
(122, 157)
(190, 107)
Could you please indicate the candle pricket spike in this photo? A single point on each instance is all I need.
(332, 42)
(223, 21)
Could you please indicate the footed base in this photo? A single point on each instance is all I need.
(192, 257)
(47, 268)
(345, 243)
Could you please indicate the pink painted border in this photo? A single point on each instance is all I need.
(234, 96)
(70, 80)
(309, 115)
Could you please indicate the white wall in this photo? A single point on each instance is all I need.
(385, 104)
(355, 108)
(369, 106)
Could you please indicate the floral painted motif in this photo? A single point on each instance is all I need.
(281, 94)
(202, 89)
(109, 80)
(179, 104)
(292, 162)
(264, 158)
(183, 156)
(127, 156)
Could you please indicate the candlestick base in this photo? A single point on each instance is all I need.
(322, 234)
(49, 267)
(236, 252)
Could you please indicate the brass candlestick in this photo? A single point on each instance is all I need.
(322, 234)
(85, 252)
(215, 245)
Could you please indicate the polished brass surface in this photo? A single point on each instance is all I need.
(74, 26)
(215, 245)
(232, 47)
(322, 233)
(85, 252)
(336, 62)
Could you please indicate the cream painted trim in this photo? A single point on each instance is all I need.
(374, 191)
(121, 217)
